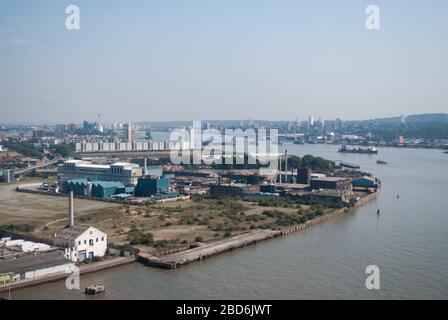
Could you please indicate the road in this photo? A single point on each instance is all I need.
(29, 169)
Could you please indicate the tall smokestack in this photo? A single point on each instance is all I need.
(70, 209)
(280, 169)
(145, 167)
(286, 166)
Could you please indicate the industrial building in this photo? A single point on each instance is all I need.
(333, 183)
(96, 189)
(328, 197)
(80, 242)
(126, 173)
(366, 182)
(147, 187)
(29, 266)
(304, 175)
(21, 259)
(7, 176)
(233, 189)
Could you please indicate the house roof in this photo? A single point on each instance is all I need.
(34, 262)
(72, 233)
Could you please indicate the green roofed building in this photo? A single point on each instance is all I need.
(148, 187)
(366, 182)
(105, 189)
(95, 189)
(78, 186)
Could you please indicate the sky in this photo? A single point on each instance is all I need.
(161, 60)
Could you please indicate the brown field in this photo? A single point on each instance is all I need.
(40, 210)
(170, 226)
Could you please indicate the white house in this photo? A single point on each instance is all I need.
(81, 242)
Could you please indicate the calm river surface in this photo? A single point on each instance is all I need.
(408, 242)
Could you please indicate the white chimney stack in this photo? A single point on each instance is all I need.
(70, 209)
(145, 167)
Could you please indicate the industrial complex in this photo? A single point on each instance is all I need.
(309, 193)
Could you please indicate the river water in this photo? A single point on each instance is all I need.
(408, 242)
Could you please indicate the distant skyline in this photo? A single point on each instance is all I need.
(316, 119)
(179, 60)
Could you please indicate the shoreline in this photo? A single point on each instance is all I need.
(200, 253)
(84, 269)
(207, 250)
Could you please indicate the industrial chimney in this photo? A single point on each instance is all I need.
(280, 168)
(145, 167)
(70, 209)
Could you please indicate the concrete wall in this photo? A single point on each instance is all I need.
(48, 271)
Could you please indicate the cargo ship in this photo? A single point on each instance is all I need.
(349, 165)
(369, 150)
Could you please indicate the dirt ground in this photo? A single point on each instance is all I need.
(170, 226)
(40, 210)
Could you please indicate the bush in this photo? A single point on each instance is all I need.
(198, 239)
(18, 227)
(160, 244)
(197, 198)
(139, 238)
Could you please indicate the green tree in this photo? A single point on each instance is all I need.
(65, 150)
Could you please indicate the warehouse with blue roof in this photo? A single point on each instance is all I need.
(96, 189)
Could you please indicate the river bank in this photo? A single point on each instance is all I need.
(200, 253)
(408, 241)
(207, 250)
(83, 270)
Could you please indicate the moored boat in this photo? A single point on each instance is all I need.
(369, 150)
(95, 289)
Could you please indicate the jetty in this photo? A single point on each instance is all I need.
(206, 250)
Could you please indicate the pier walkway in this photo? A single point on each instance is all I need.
(206, 250)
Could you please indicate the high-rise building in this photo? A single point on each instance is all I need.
(71, 128)
(38, 133)
(60, 129)
(339, 124)
(130, 134)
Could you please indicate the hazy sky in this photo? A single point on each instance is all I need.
(159, 60)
